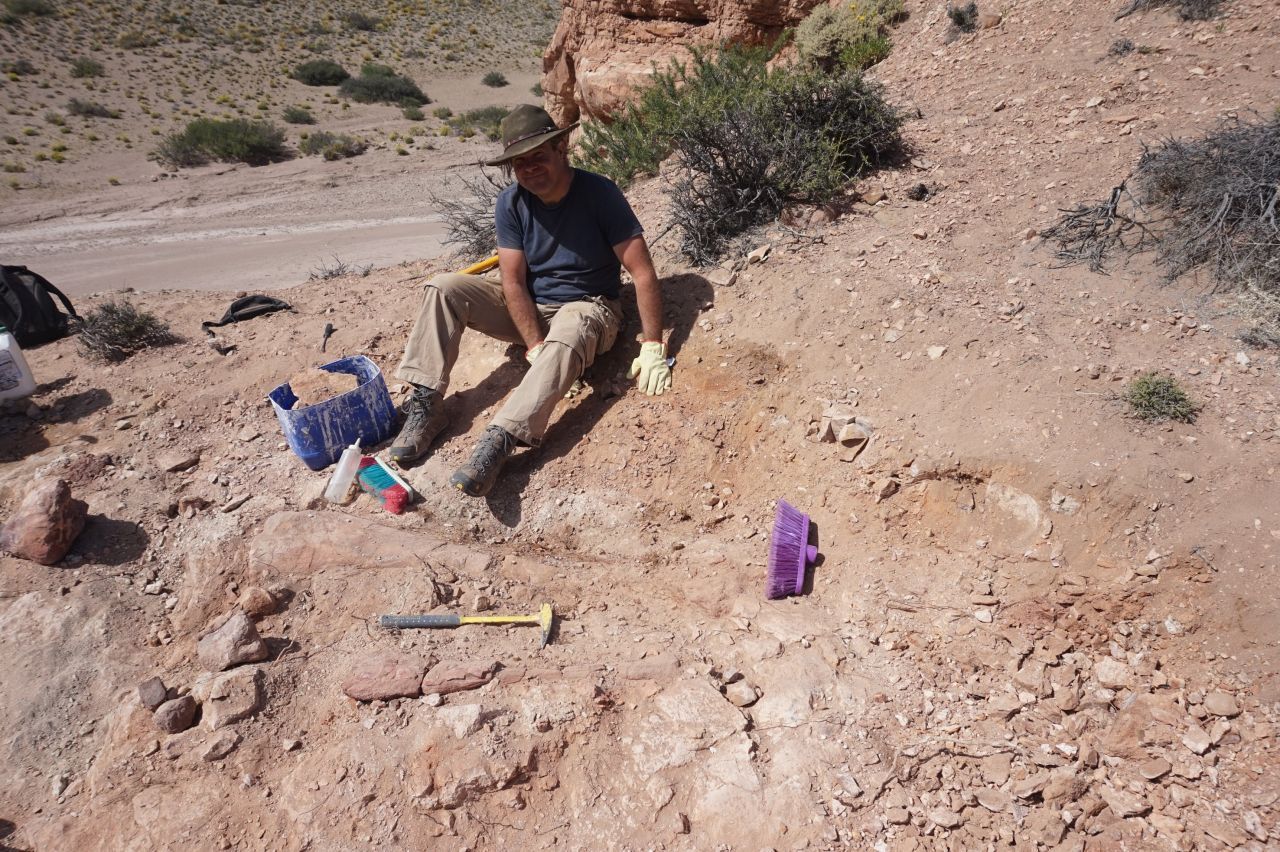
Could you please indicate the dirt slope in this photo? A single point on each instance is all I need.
(1037, 623)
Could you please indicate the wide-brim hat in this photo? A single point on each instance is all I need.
(525, 128)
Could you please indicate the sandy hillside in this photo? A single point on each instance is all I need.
(1037, 623)
(85, 205)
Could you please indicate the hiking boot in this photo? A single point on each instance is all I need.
(477, 476)
(424, 419)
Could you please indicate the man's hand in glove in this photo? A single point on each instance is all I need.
(650, 370)
(531, 353)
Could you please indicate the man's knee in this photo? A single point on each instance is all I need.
(449, 284)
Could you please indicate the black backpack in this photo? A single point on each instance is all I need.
(28, 310)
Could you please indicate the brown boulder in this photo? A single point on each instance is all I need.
(46, 523)
(177, 715)
(233, 641)
(458, 676)
(381, 677)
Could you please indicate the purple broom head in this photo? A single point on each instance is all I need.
(789, 552)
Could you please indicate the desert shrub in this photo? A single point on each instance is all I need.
(89, 109)
(468, 215)
(377, 69)
(1156, 398)
(640, 138)
(361, 21)
(536, 89)
(86, 67)
(851, 36)
(383, 88)
(320, 72)
(963, 18)
(331, 146)
(442, 112)
(22, 67)
(1188, 10)
(115, 330)
(486, 120)
(298, 115)
(236, 140)
(1208, 202)
(413, 113)
(798, 139)
(1121, 47)
(29, 8)
(494, 80)
(134, 40)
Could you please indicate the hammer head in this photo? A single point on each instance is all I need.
(545, 618)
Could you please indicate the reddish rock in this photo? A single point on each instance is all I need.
(177, 715)
(603, 49)
(257, 602)
(232, 642)
(46, 523)
(458, 675)
(381, 677)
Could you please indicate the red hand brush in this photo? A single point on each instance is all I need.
(789, 552)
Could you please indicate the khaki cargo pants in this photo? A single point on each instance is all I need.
(575, 333)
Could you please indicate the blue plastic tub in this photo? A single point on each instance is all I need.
(319, 433)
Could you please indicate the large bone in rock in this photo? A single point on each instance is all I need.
(46, 523)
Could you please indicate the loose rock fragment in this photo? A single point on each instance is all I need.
(1124, 804)
(1221, 704)
(741, 694)
(382, 676)
(1197, 739)
(177, 715)
(45, 524)
(231, 697)
(945, 818)
(1154, 769)
(458, 675)
(152, 693)
(1112, 673)
(220, 745)
(231, 643)
(257, 602)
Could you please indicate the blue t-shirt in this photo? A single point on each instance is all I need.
(568, 247)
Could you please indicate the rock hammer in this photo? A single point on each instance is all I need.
(544, 618)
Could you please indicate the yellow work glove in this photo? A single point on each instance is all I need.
(532, 352)
(650, 370)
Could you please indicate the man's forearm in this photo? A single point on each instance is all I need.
(523, 312)
(649, 301)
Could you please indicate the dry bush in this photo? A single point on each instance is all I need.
(468, 215)
(1208, 202)
(115, 330)
(1188, 10)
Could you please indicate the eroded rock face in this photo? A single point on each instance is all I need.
(46, 523)
(603, 49)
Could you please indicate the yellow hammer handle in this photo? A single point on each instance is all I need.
(498, 619)
(480, 266)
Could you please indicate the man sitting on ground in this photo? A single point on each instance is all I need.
(563, 234)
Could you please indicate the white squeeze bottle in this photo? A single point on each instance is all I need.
(339, 487)
(16, 380)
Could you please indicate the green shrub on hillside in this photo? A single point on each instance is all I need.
(798, 139)
(331, 146)
(494, 79)
(89, 109)
(1156, 398)
(320, 72)
(29, 8)
(86, 67)
(235, 140)
(383, 88)
(484, 120)
(376, 69)
(850, 36)
(135, 40)
(298, 115)
(361, 21)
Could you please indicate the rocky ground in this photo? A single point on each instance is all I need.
(1036, 622)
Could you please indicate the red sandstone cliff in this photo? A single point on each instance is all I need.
(603, 48)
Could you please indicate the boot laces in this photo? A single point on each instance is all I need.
(416, 411)
(495, 447)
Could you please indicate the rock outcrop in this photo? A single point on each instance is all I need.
(603, 49)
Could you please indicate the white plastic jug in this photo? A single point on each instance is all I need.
(339, 488)
(16, 380)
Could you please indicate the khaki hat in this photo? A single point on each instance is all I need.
(525, 128)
